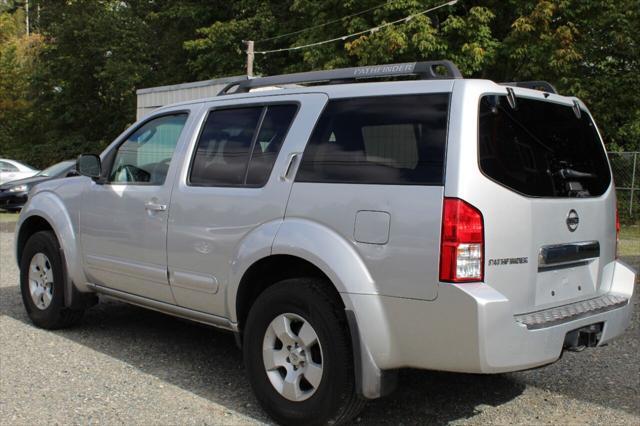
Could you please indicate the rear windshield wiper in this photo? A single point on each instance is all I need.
(567, 173)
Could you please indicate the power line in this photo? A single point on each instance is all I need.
(369, 30)
(326, 23)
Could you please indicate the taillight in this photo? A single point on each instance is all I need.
(617, 231)
(461, 242)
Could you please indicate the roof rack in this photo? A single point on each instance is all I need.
(543, 86)
(429, 70)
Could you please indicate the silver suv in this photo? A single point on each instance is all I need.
(344, 228)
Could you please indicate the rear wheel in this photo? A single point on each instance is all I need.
(42, 283)
(297, 352)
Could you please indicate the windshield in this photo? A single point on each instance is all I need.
(56, 169)
(541, 149)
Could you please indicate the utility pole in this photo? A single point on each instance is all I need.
(26, 12)
(250, 57)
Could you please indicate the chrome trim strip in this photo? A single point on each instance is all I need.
(571, 312)
(166, 308)
(562, 254)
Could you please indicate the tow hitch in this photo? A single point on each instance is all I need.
(584, 337)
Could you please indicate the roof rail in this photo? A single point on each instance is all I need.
(428, 70)
(543, 86)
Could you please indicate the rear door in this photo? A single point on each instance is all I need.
(233, 183)
(546, 195)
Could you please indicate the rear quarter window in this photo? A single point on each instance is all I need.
(541, 149)
(397, 140)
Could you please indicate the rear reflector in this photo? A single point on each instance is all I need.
(462, 242)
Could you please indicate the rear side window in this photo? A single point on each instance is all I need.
(7, 167)
(239, 146)
(273, 130)
(397, 140)
(541, 149)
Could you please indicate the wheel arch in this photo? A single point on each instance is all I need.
(268, 271)
(292, 248)
(305, 248)
(46, 211)
(29, 227)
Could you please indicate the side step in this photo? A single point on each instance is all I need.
(571, 312)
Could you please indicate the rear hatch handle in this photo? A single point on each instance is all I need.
(570, 253)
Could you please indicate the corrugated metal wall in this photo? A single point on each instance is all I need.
(156, 97)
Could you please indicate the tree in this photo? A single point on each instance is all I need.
(95, 54)
(588, 49)
(18, 54)
(71, 87)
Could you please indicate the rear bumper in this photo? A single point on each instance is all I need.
(472, 328)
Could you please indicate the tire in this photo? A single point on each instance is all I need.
(306, 302)
(46, 307)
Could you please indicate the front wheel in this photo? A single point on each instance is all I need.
(42, 283)
(297, 351)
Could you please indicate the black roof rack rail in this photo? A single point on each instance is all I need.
(428, 70)
(543, 86)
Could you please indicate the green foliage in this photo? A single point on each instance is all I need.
(588, 49)
(71, 87)
(80, 92)
(18, 54)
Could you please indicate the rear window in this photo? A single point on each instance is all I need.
(398, 140)
(541, 149)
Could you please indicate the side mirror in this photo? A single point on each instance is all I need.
(89, 165)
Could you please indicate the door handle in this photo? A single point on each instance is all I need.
(155, 206)
(291, 163)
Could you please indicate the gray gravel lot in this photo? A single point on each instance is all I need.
(127, 365)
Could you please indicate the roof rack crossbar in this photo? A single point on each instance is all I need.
(543, 86)
(429, 70)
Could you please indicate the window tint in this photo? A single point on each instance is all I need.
(7, 167)
(230, 154)
(145, 156)
(541, 148)
(396, 140)
(273, 130)
(224, 145)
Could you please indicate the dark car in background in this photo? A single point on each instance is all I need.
(14, 194)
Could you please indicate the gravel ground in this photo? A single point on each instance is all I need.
(127, 365)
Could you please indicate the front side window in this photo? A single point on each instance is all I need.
(396, 140)
(238, 147)
(541, 149)
(145, 156)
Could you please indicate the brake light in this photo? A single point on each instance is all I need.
(617, 231)
(461, 242)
